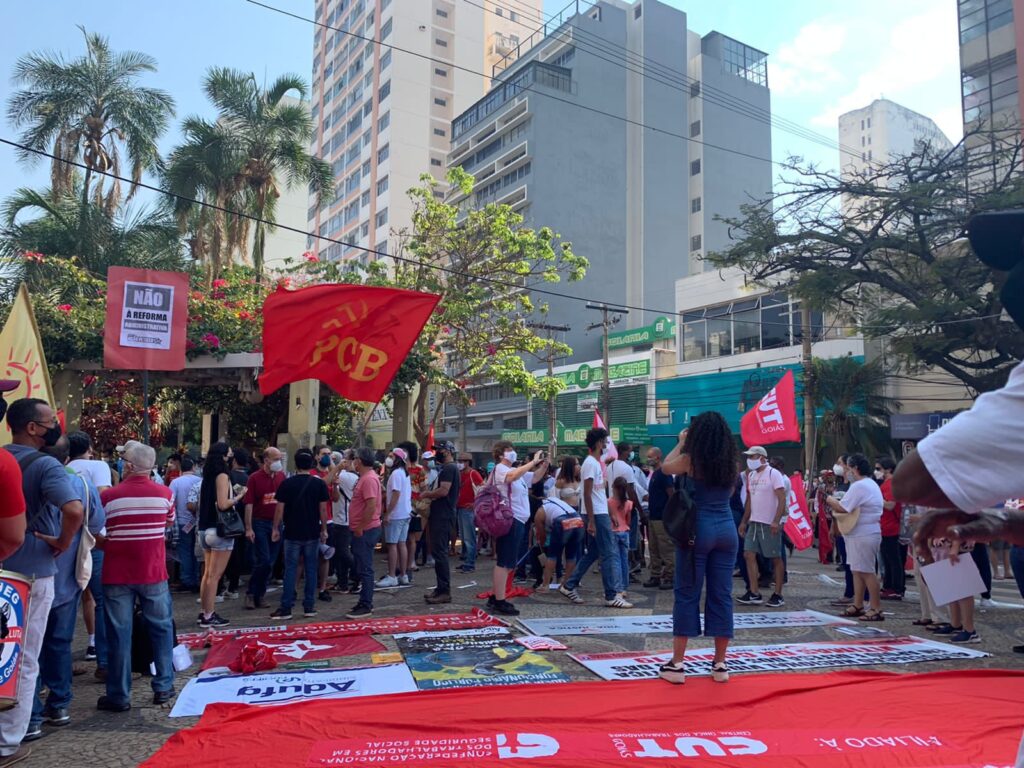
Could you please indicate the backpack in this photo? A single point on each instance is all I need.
(680, 515)
(492, 512)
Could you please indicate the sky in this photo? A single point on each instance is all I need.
(825, 56)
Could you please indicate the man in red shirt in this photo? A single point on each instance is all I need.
(364, 513)
(469, 479)
(135, 569)
(12, 497)
(893, 554)
(260, 505)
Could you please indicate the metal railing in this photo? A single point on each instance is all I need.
(573, 9)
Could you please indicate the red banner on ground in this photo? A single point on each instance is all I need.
(798, 523)
(146, 321)
(882, 721)
(773, 419)
(351, 337)
(226, 650)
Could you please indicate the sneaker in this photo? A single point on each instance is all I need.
(214, 621)
(750, 598)
(963, 636)
(387, 581)
(949, 629)
(466, 568)
(618, 602)
(673, 673)
(719, 672)
(229, 595)
(986, 602)
(34, 732)
(324, 596)
(281, 613)
(361, 611)
(429, 563)
(108, 704)
(90, 653)
(199, 619)
(666, 584)
(309, 613)
(217, 599)
(57, 716)
(404, 580)
(652, 583)
(572, 594)
(491, 601)
(775, 601)
(504, 607)
(162, 697)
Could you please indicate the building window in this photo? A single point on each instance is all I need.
(439, 131)
(869, 155)
(384, 122)
(364, 229)
(364, 199)
(366, 169)
(695, 128)
(695, 205)
(499, 12)
(869, 122)
(382, 218)
(384, 92)
(869, 140)
(439, 42)
(513, 16)
(695, 243)
(441, 102)
(440, 72)
(442, 14)
(382, 186)
(637, 12)
(695, 89)
(746, 62)
(383, 153)
(694, 167)
(863, 141)
(386, 29)
(385, 59)
(862, 125)
(435, 162)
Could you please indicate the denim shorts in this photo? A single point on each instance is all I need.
(213, 543)
(396, 531)
(507, 547)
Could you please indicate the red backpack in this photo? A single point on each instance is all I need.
(492, 512)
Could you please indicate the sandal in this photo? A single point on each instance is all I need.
(842, 601)
(852, 611)
(922, 623)
(872, 616)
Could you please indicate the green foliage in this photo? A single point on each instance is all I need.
(851, 395)
(894, 259)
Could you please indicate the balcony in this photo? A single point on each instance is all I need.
(503, 44)
(534, 73)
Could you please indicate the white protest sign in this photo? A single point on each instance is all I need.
(300, 685)
(622, 625)
(948, 581)
(779, 658)
(147, 315)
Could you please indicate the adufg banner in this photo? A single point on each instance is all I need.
(630, 625)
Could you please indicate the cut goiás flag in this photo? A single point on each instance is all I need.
(773, 419)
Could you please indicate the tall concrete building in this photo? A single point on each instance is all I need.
(991, 43)
(384, 115)
(598, 131)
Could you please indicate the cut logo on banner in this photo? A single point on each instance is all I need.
(301, 685)
(487, 656)
(629, 625)
(794, 657)
(849, 719)
(224, 651)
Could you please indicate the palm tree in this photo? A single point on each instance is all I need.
(90, 110)
(271, 134)
(39, 221)
(851, 394)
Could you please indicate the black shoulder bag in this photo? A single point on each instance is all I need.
(680, 518)
(230, 524)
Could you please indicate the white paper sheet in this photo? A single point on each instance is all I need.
(948, 582)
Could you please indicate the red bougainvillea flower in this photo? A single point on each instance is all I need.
(492, 350)
(217, 295)
(34, 256)
(243, 315)
(220, 283)
(212, 340)
(88, 380)
(311, 257)
(65, 308)
(189, 344)
(284, 282)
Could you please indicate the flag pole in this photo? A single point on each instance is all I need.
(145, 407)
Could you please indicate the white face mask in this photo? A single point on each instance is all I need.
(839, 470)
(276, 466)
(753, 464)
(511, 456)
(389, 461)
(879, 474)
(461, 465)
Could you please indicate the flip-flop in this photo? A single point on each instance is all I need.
(872, 616)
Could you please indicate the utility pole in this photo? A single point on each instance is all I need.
(552, 406)
(609, 317)
(810, 438)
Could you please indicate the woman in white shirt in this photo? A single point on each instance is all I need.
(864, 541)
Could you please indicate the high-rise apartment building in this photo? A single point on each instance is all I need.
(384, 115)
(599, 132)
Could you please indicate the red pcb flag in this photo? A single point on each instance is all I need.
(798, 523)
(351, 337)
(145, 327)
(773, 419)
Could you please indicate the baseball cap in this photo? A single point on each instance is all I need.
(756, 450)
(400, 453)
(427, 455)
(9, 385)
(445, 445)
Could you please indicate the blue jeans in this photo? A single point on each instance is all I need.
(362, 551)
(622, 549)
(265, 554)
(712, 560)
(119, 610)
(55, 659)
(96, 588)
(1017, 564)
(187, 557)
(603, 547)
(309, 551)
(467, 532)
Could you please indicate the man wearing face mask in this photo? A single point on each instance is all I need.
(260, 505)
(469, 481)
(54, 514)
(443, 495)
(761, 526)
(181, 487)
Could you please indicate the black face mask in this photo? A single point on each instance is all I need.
(52, 435)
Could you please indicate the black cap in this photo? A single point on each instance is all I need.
(445, 445)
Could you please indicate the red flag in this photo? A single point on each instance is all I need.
(430, 439)
(351, 337)
(773, 419)
(146, 320)
(798, 523)
(610, 451)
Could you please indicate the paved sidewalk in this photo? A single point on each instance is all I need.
(103, 740)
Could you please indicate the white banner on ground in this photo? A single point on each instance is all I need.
(779, 658)
(285, 688)
(631, 625)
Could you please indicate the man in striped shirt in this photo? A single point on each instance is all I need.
(138, 513)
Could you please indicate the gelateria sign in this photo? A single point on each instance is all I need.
(618, 373)
(660, 329)
(630, 433)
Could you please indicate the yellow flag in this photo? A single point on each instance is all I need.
(22, 358)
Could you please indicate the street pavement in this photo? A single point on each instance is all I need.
(105, 740)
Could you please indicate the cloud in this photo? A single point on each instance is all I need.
(805, 64)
